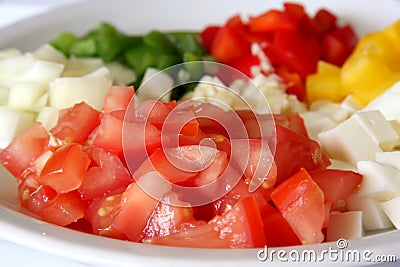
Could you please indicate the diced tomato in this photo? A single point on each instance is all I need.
(337, 185)
(65, 169)
(159, 162)
(207, 36)
(139, 140)
(238, 192)
(255, 160)
(35, 197)
(272, 21)
(154, 112)
(28, 146)
(278, 232)
(64, 209)
(214, 170)
(109, 133)
(240, 227)
(101, 213)
(301, 203)
(142, 205)
(169, 219)
(295, 151)
(76, 123)
(109, 177)
(118, 98)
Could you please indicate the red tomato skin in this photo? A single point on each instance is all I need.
(65, 169)
(301, 203)
(324, 21)
(118, 98)
(109, 133)
(101, 213)
(240, 227)
(108, 177)
(76, 123)
(337, 185)
(295, 151)
(64, 210)
(278, 232)
(18, 155)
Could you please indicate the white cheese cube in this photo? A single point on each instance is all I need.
(378, 128)
(392, 210)
(316, 122)
(12, 68)
(373, 216)
(387, 103)
(24, 94)
(48, 116)
(351, 104)
(380, 181)
(122, 75)
(349, 142)
(13, 123)
(346, 225)
(77, 67)
(92, 89)
(390, 158)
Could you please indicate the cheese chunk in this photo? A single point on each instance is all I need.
(373, 216)
(380, 181)
(392, 210)
(346, 225)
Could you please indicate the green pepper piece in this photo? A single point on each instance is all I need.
(166, 61)
(160, 41)
(194, 68)
(84, 48)
(141, 57)
(64, 42)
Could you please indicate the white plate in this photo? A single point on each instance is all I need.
(140, 17)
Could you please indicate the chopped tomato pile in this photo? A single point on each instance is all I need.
(79, 175)
(293, 41)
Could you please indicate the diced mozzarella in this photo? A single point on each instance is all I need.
(24, 94)
(91, 88)
(387, 103)
(346, 225)
(381, 131)
(373, 216)
(351, 104)
(341, 165)
(392, 210)
(12, 124)
(48, 116)
(380, 181)
(316, 122)
(390, 158)
(349, 142)
(156, 85)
